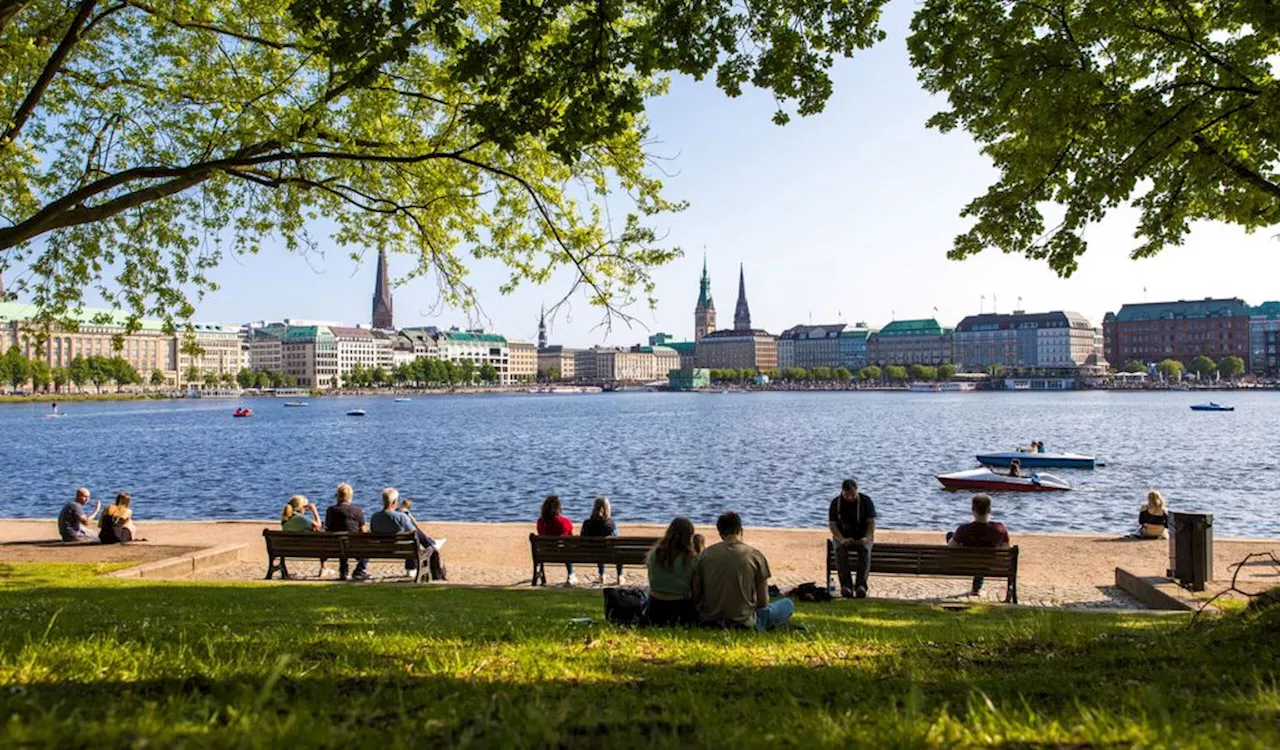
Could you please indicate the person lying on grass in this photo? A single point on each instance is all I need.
(731, 583)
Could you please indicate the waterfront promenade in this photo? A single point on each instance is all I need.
(1070, 570)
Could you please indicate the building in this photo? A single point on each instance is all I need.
(1057, 340)
(910, 342)
(148, 349)
(742, 350)
(853, 347)
(1182, 330)
(810, 346)
(265, 342)
(688, 380)
(362, 347)
(742, 312)
(1264, 340)
(639, 364)
(309, 354)
(557, 361)
(522, 362)
(479, 347)
(704, 314)
(219, 353)
(382, 316)
(412, 344)
(665, 359)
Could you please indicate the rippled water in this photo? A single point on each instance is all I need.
(778, 458)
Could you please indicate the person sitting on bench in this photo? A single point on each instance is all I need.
(671, 563)
(852, 520)
(731, 583)
(981, 532)
(343, 516)
(293, 518)
(390, 520)
(552, 523)
(437, 569)
(601, 524)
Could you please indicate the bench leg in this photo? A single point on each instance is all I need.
(1011, 593)
(534, 580)
(271, 567)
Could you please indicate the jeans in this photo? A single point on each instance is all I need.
(600, 570)
(362, 566)
(977, 580)
(842, 568)
(776, 613)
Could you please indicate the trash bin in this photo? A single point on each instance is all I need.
(1191, 550)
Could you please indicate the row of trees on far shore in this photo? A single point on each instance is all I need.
(868, 374)
(1229, 367)
(16, 371)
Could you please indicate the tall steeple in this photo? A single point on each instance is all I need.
(382, 317)
(542, 329)
(704, 315)
(742, 313)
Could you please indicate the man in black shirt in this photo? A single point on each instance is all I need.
(343, 516)
(852, 519)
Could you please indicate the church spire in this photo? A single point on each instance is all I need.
(382, 317)
(542, 329)
(704, 315)
(742, 313)
(704, 292)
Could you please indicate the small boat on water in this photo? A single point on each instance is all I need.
(242, 412)
(990, 481)
(356, 413)
(295, 404)
(1211, 406)
(403, 400)
(1031, 459)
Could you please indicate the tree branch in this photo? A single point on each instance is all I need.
(153, 11)
(1239, 168)
(51, 68)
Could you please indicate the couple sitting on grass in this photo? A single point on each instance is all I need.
(115, 526)
(395, 517)
(726, 585)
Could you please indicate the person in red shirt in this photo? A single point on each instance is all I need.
(552, 523)
(981, 532)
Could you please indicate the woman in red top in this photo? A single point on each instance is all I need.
(551, 523)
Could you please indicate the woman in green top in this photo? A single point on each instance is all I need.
(294, 519)
(671, 563)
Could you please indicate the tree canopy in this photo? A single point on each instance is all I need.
(143, 140)
(1170, 106)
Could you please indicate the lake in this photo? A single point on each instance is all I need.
(777, 458)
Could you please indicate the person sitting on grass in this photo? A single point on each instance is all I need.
(601, 524)
(73, 522)
(552, 523)
(1153, 518)
(731, 583)
(116, 525)
(671, 563)
(437, 568)
(981, 532)
(342, 516)
(392, 520)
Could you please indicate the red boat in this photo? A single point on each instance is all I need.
(242, 412)
(990, 481)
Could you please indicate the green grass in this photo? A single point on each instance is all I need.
(97, 662)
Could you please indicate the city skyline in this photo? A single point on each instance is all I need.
(846, 215)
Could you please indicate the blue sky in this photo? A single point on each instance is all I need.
(848, 213)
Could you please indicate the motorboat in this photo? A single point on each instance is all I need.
(242, 412)
(1032, 459)
(403, 400)
(295, 404)
(987, 480)
(356, 413)
(1211, 406)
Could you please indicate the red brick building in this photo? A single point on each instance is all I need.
(1182, 330)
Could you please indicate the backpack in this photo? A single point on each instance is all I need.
(810, 592)
(625, 606)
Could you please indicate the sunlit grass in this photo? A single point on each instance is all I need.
(94, 661)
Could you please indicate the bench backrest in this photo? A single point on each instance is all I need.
(618, 550)
(937, 560)
(401, 546)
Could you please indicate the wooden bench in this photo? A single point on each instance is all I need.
(609, 550)
(336, 546)
(935, 560)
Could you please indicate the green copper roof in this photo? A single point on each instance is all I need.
(856, 333)
(704, 293)
(1205, 308)
(1265, 310)
(18, 311)
(683, 347)
(920, 327)
(488, 338)
(301, 333)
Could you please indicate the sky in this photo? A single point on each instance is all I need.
(845, 216)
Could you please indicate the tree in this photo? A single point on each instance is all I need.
(1170, 369)
(553, 374)
(245, 378)
(1203, 367)
(946, 371)
(996, 370)
(378, 376)
(1134, 365)
(488, 373)
(822, 374)
(896, 373)
(40, 375)
(192, 375)
(157, 378)
(277, 380)
(60, 378)
(869, 373)
(227, 379)
(1091, 105)
(211, 380)
(17, 367)
(265, 380)
(409, 126)
(1231, 367)
(99, 369)
(842, 374)
(78, 371)
(466, 372)
(924, 372)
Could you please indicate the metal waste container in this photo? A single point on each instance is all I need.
(1191, 549)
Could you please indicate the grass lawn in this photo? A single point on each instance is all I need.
(95, 662)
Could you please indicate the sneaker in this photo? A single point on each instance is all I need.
(622, 579)
(572, 580)
(360, 577)
(861, 592)
(846, 593)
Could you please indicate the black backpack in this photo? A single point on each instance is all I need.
(625, 606)
(810, 592)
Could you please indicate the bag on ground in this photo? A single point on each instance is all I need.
(625, 606)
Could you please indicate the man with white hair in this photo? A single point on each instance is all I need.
(73, 524)
(390, 520)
